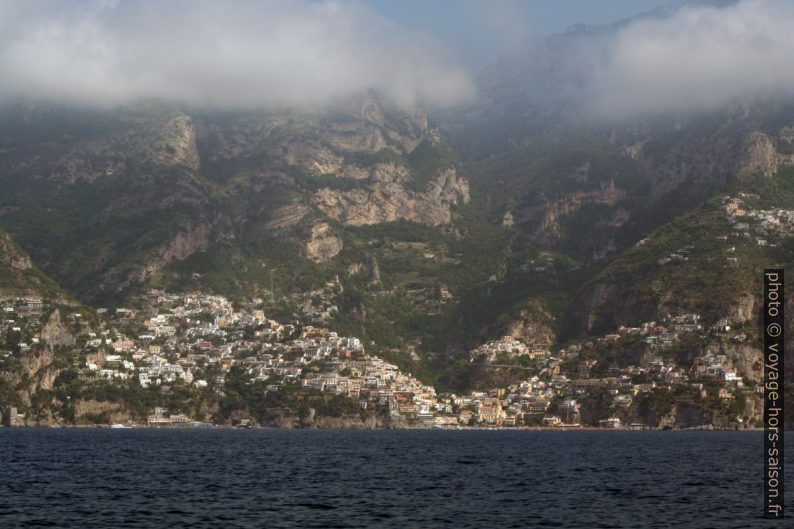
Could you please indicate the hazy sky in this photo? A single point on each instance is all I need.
(284, 52)
(480, 30)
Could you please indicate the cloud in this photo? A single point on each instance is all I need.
(699, 58)
(279, 52)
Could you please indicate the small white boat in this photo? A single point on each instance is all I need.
(119, 426)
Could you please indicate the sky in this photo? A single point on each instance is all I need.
(310, 52)
(481, 30)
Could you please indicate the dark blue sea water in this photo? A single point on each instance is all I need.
(402, 479)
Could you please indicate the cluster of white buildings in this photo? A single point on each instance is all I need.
(717, 367)
(188, 337)
(766, 223)
(509, 346)
(189, 333)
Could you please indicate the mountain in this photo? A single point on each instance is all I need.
(616, 196)
(112, 198)
(426, 236)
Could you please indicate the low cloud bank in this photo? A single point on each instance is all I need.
(699, 58)
(243, 53)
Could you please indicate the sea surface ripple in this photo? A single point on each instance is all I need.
(86, 478)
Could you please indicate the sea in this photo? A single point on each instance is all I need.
(227, 478)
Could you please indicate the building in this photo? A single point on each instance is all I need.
(611, 422)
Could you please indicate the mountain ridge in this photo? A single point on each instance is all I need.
(425, 236)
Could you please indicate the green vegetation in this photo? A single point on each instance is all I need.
(426, 160)
(244, 398)
(19, 275)
(312, 183)
(366, 159)
(579, 204)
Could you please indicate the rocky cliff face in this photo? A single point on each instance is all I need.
(37, 372)
(174, 143)
(348, 164)
(386, 199)
(533, 324)
(55, 334)
(108, 145)
(171, 183)
(747, 359)
(10, 255)
(692, 415)
(368, 268)
(548, 216)
(321, 244)
(89, 410)
(607, 304)
(179, 248)
(760, 155)
(359, 150)
(313, 420)
(706, 163)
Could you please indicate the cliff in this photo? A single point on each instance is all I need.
(175, 182)
(386, 199)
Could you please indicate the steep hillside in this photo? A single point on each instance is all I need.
(625, 212)
(105, 200)
(38, 335)
(19, 277)
(425, 236)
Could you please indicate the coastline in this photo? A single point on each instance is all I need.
(210, 426)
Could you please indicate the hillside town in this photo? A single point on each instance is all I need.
(760, 224)
(198, 340)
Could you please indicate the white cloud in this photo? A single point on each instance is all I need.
(699, 58)
(279, 52)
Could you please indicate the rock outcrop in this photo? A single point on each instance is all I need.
(171, 183)
(385, 199)
(549, 215)
(95, 411)
(175, 143)
(11, 256)
(533, 324)
(287, 216)
(760, 154)
(182, 246)
(368, 268)
(55, 334)
(321, 243)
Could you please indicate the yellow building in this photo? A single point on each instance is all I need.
(491, 412)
